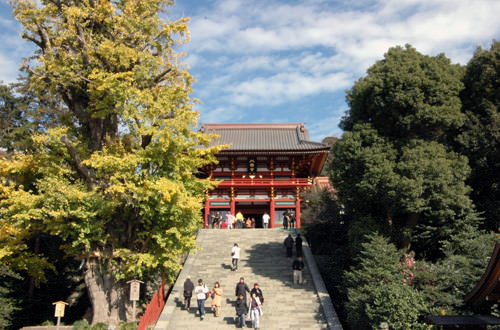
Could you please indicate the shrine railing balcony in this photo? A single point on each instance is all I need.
(264, 182)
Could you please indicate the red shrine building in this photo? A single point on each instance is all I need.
(264, 170)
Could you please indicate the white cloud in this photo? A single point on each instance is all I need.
(327, 126)
(222, 114)
(285, 87)
(8, 69)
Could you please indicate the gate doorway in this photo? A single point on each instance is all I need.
(253, 210)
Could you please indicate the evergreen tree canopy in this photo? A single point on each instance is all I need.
(393, 165)
(480, 137)
(407, 95)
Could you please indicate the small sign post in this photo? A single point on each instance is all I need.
(135, 290)
(60, 305)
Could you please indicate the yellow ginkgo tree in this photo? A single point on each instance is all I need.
(116, 177)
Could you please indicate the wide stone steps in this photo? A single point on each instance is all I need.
(263, 260)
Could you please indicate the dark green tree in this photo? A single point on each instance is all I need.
(378, 290)
(14, 126)
(394, 169)
(480, 136)
(408, 95)
(8, 304)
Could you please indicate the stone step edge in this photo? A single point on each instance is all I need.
(320, 289)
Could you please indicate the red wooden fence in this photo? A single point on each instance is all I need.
(153, 311)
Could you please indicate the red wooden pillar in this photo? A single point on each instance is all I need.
(297, 212)
(207, 212)
(233, 203)
(271, 225)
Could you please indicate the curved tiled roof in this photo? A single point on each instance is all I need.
(263, 137)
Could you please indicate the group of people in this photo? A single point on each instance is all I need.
(202, 294)
(251, 307)
(216, 220)
(289, 219)
(298, 264)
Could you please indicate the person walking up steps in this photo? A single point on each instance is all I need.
(235, 255)
(188, 292)
(297, 267)
(201, 291)
(288, 243)
(265, 220)
(298, 245)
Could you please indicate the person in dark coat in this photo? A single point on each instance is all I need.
(297, 267)
(258, 292)
(242, 288)
(298, 245)
(293, 220)
(289, 246)
(286, 218)
(188, 292)
(241, 311)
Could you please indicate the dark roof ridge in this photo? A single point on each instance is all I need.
(263, 136)
(205, 126)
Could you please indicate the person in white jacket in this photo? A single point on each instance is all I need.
(235, 256)
(201, 292)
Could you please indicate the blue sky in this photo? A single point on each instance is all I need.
(291, 61)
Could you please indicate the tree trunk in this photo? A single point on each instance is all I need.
(108, 297)
(410, 223)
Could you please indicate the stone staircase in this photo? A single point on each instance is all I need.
(263, 260)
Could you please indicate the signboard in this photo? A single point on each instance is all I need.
(135, 289)
(60, 305)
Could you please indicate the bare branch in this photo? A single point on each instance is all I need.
(32, 39)
(45, 37)
(81, 39)
(83, 170)
(159, 77)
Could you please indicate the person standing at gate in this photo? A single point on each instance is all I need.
(217, 220)
(248, 223)
(286, 219)
(188, 292)
(239, 220)
(288, 243)
(298, 245)
(201, 291)
(265, 220)
(235, 256)
(292, 219)
(229, 220)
